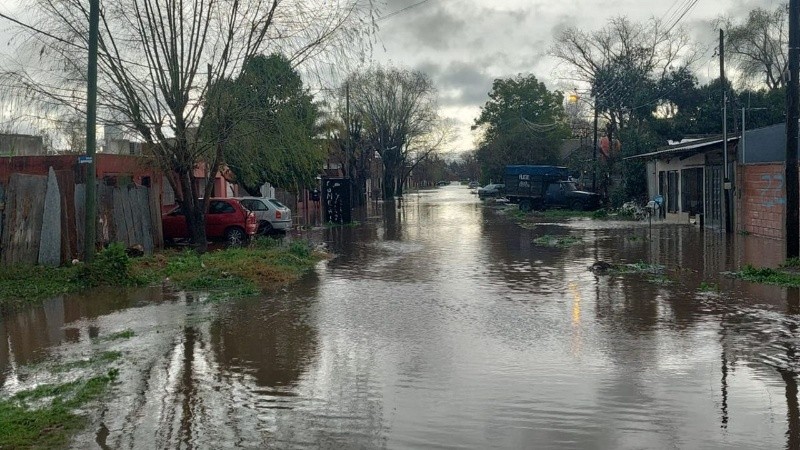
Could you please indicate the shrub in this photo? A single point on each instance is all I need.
(110, 267)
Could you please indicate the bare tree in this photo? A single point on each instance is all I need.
(759, 45)
(624, 63)
(158, 58)
(398, 109)
(425, 147)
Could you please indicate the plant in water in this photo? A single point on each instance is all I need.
(708, 287)
(556, 241)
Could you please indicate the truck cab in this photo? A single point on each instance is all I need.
(565, 194)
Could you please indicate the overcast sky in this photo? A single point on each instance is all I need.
(465, 44)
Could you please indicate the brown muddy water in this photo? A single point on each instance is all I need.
(443, 324)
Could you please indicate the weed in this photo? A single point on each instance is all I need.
(264, 243)
(600, 214)
(556, 241)
(708, 287)
(792, 263)
(110, 267)
(124, 334)
(50, 422)
(769, 276)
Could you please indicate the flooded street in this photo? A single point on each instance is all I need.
(441, 323)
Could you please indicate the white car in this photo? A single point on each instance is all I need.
(271, 214)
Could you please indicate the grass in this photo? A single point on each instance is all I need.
(708, 287)
(44, 417)
(768, 275)
(124, 334)
(556, 241)
(229, 272)
(655, 270)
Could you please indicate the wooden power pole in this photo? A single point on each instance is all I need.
(90, 224)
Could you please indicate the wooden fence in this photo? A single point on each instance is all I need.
(42, 220)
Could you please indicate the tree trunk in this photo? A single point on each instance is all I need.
(194, 211)
(388, 185)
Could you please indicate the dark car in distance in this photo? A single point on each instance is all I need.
(226, 220)
(491, 190)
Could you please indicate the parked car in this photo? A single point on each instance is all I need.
(270, 213)
(226, 220)
(473, 184)
(491, 190)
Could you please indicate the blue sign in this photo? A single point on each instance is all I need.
(84, 159)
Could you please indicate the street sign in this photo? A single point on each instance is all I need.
(83, 159)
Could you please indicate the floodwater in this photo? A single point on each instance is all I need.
(441, 323)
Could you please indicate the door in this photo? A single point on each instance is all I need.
(713, 194)
(221, 215)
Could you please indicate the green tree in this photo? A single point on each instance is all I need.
(265, 121)
(521, 123)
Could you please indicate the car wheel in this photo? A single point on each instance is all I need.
(265, 228)
(577, 205)
(235, 237)
(525, 205)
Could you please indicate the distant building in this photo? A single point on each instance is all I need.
(21, 145)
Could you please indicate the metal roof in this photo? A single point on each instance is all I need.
(688, 147)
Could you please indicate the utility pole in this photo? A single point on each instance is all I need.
(792, 115)
(90, 223)
(594, 151)
(349, 142)
(726, 184)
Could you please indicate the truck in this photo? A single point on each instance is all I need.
(541, 187)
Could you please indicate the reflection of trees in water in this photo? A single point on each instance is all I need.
(271, 339)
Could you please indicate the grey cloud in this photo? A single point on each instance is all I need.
(460, 83)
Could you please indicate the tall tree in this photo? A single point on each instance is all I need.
(265, 122)
(759, 45)
(624, 63)
(159, 58)
(521, 123)
(398, 109)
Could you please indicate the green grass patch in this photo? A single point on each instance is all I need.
(235, 271)
(232, 272)
(639, 267)
(124, 334)
(768, 275)
(791, 263)
(94, 361)
(44, 417)
(709, 287)
(556, 241)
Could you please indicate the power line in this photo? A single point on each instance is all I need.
(35, 30)
(400, 11)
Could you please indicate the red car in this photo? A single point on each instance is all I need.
(226, 219)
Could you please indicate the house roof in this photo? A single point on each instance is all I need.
(693, 146)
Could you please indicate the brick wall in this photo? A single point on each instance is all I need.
(761, 200)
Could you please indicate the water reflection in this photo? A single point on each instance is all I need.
(441, 323)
